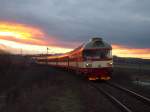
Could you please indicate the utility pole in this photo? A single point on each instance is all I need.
(21, 51)
(47, 55)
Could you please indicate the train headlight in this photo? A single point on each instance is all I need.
(88, 65)
(110, 64)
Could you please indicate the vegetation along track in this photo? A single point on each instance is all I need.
(126, 100)
(8, 96)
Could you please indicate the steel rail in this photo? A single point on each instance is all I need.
(121, 105)
(137, 95)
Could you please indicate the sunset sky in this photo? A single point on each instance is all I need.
(30, 26)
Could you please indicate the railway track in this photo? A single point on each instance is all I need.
(126, 100)
(137, 95)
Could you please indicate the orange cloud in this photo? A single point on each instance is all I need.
(31, 40)
(124, 51)
(21, 33)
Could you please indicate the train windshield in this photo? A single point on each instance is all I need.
(97, 54)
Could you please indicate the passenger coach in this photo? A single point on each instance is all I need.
(92, 59)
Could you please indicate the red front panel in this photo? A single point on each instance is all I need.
(97, 73)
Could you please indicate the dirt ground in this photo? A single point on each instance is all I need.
(45, 89)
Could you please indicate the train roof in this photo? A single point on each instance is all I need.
(93, 43)
(96, 43)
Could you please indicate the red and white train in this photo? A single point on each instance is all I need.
(92, 59)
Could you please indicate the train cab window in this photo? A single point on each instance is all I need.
(96, 53)
(98, 43)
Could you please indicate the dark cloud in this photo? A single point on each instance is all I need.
(124, 22)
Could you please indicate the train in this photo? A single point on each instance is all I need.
(92, 59)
